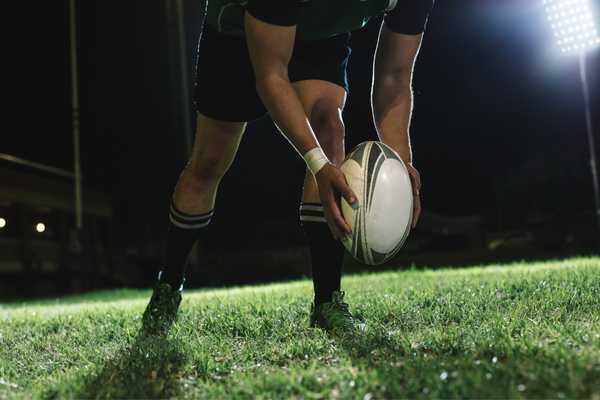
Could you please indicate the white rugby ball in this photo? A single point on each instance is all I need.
(382, 184)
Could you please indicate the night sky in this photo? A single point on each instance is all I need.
(498, 125)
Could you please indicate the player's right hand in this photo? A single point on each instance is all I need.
(332, 183)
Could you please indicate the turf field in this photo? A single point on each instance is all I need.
(527, 330)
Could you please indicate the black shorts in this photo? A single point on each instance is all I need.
(225, 86)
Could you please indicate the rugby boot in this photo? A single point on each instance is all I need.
(161, 311)
(335, 317)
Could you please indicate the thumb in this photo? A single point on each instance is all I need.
(347, 193)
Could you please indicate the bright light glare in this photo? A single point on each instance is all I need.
(573, 24)
(2, 222)
(40, 227)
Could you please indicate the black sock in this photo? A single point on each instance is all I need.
(326, 253)
(184, 230)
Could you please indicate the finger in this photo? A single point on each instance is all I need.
(336, 215)
(340, 223)
(333, 227)
(416, 181)
(335, 232)
(416, 191)
(416, 211)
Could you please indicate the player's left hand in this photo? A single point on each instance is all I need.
(415, 178)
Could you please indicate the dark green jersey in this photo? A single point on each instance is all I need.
(315, 19)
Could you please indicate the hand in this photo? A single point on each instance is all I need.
(332, 182)
(415, 179)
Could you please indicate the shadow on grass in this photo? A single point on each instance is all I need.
(149, 368)
(369, 346)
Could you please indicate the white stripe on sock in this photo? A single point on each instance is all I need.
(192, 218)
(308, 207)
(188, 226)
(310, 218)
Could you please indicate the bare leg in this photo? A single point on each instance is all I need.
(214, 149)
(194, 196)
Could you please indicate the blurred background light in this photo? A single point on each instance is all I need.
(2, 222)
(40, 227)
(573, 24)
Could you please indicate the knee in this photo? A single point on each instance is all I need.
(202, 174)
(329, 129)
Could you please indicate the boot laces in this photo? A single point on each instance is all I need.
(340, 306)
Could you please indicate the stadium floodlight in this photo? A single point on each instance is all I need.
(576, 31)
(573, 25)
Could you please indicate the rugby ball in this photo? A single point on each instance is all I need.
(381, 182)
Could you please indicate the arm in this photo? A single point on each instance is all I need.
(270, 47)
(392, 97)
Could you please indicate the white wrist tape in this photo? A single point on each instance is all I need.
(315, 160)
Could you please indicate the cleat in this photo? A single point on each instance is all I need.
(161, 311)
(334, 317)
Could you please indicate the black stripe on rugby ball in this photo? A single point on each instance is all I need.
(374, 153)
(389, 153)
(358, 250)
(378, 258)
(375, 173)
(357, 154)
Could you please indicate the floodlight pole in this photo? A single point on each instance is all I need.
(185, 78)
(590, 134)
(176, 30)
(75, 115)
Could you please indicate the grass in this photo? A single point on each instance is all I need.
(529, 330)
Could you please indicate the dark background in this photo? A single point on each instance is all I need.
(498, 129)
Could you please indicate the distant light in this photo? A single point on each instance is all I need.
(40, 227)
(2, 222)
(573, 24)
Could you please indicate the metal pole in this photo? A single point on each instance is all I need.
(35, 165)
(185, 77)
(590, 135)
(175, 10)
(75, 114)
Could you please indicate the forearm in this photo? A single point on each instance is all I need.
(270, 48)
(287, 112)
(392, 108)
